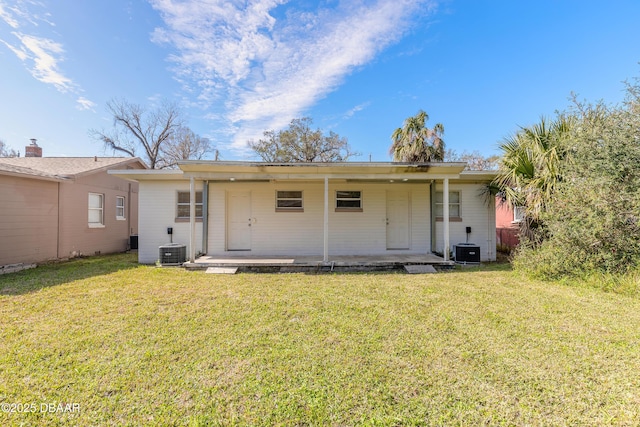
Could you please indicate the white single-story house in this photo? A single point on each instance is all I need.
(313, 209)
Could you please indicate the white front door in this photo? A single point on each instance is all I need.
(239, 221)
(398, 220)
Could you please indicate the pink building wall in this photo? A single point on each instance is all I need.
(28, 220)
(506, 228)
(44, 219)
(76, 237)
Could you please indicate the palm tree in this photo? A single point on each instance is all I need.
(415, 142)
(530, 169)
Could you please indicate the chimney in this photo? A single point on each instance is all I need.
(33, 150)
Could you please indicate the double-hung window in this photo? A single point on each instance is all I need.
(96, 210)
(289, 201)
(120, 201)
(184, 205)
(348, 201)
(455, 212)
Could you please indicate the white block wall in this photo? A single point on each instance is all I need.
(301, 233)
(157, 205)
(477, 213)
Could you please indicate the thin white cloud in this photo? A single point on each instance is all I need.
(85, 104)
(268, 61)
(41, 55)
(7, 16)
(356, 109)
(21, 54)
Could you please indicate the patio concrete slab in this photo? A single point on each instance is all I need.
(292, 263)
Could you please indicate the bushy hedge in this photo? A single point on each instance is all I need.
(592, 222)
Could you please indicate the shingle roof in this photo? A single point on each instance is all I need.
(7, 169)
(61, 167)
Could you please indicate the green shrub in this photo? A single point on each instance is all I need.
(592, 221)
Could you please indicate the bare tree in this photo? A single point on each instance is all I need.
(133, 127)
(300, 143)
(184, 144)
(474, 159)
(5, 151)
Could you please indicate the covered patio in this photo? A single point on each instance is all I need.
(214, 173)
(311, 263)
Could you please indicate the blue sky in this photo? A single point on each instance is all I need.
(358, 68)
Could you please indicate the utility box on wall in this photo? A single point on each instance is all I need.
(467, 253)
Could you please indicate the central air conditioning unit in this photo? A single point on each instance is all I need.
(467, 253)
(172, 254)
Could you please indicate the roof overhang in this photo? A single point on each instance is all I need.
(148, 174)
(27, 173)
(124, 163)
(262, 171)
(478, 176)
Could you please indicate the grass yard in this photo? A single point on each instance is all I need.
(139, 345)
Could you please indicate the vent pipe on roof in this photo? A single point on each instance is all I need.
(33, 150)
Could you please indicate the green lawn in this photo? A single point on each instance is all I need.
(140, 345)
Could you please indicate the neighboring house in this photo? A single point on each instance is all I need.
(53, 208)
(507, 225)
(315, 209)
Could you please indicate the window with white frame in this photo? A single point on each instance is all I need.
(184, 205)
(348, 201)
(454, 205)
(518, 213)
(96, 210)
(120, 207)
(289, 201)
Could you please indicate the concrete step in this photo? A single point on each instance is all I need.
(222, 270)
(419, 269)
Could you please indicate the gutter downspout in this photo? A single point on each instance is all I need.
(59, 225)
(205, 217)
(129, 215)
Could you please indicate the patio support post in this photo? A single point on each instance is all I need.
(325, 256)
(445, 218)
(205, 217)
(432, 215)
(192, 220)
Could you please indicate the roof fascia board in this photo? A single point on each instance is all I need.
(148, 174)
(228, 176)
(51, 178)
(319, 168)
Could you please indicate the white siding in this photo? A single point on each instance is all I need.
(157, 212)
(476, 213)
(301, 233)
